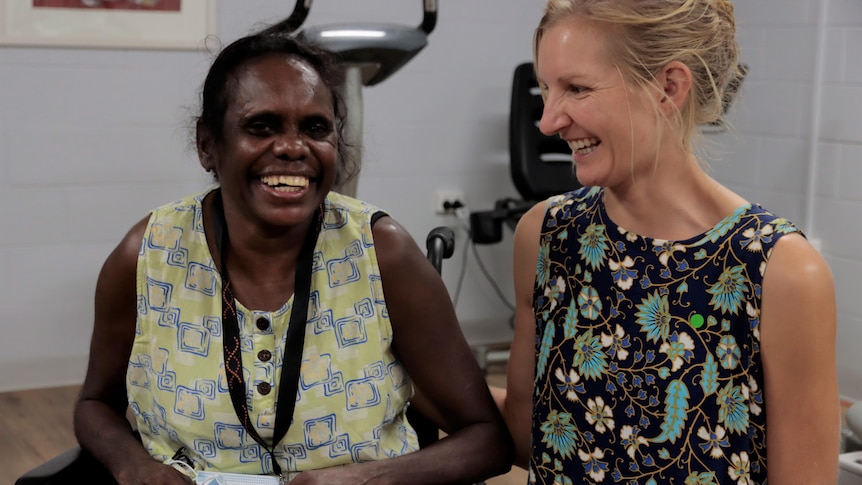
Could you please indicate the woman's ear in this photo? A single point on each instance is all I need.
(206, 146)
(675, 84)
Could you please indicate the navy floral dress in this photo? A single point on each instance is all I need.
(648, 367)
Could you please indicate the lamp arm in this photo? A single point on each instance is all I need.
(298, 16)
(429, 20)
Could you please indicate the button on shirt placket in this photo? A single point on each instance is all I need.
(264, 368)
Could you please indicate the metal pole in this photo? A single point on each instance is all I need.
(351, 92)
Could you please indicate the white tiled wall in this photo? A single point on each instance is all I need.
(840, 212)
(775, 120)
(91, 139)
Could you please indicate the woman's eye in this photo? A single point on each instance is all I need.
(576, 89)
(318, 128)
(259, 128)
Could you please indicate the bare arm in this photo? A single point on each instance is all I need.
(798, 330)
(100, 423)
(429, 342)
(516, 401)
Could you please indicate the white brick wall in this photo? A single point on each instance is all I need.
(91, 139)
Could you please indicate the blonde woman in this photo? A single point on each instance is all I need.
(668, 331)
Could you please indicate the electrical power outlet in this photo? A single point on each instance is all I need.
(447, 201)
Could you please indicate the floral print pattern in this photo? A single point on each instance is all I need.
(648, 350)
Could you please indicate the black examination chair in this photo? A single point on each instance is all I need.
(540, 165)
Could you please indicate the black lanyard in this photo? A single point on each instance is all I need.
(292, 358)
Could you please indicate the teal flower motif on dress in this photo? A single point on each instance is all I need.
(560, 433)
(732, 410)
(705, 478)
(725, 225)
(729, 292)
(654, 317)
(675, 406)
(543, 265)
(784, 226)
(709, 375)
(590, 358)
(728, 352)
(593, 245)
(544, 350)
(562, 480)
(589, 303)
(570, 325)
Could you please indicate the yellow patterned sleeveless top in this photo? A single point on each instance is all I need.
(353, 392)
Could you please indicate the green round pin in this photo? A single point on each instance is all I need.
(696, 320)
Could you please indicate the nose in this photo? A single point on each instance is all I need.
(290, 146)
(554, 118)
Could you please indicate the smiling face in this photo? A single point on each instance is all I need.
(610, 124)
(277, 157)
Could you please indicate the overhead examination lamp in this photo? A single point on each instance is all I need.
(370, 53)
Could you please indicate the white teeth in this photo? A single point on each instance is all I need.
(287, 188)
(583, 143)
(584, 151)
(285, 183)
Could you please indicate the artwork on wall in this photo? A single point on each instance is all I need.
(136, 24)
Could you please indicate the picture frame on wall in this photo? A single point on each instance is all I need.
(121, 24)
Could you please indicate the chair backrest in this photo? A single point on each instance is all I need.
(541, 166)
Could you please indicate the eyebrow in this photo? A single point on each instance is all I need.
(565, 78)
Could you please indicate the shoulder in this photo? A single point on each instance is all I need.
(795, 267)
(122, 261)
(342, 204)
(391, 239)
(775, 224)
(530, 224)
(185, 214)
(562, 206)
(187, 203)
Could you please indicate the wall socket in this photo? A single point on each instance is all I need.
(447, 200)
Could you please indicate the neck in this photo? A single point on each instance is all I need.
(676, 201)
(261, 262)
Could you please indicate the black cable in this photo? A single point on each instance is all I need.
(462, 273)
(489, 278)
(482, 268)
